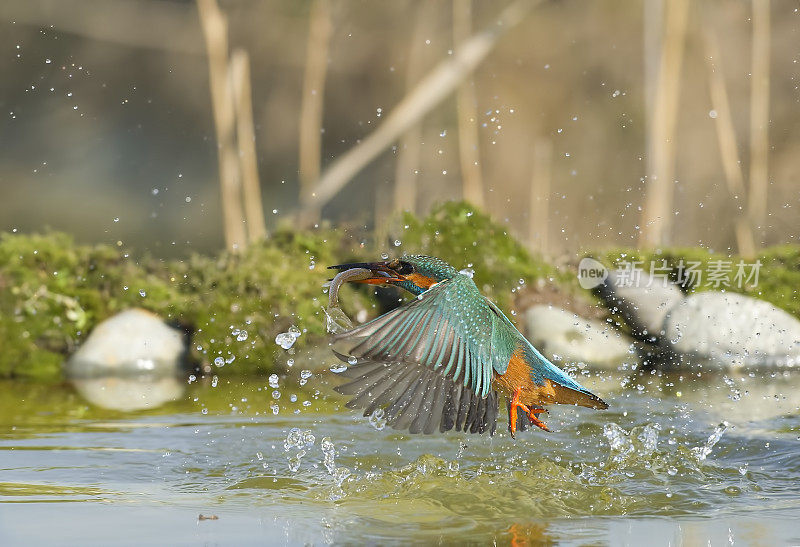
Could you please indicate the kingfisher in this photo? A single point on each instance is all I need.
(441, 360)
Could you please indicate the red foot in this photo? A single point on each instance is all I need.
(532, 413)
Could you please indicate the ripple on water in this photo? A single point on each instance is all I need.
(661, 451)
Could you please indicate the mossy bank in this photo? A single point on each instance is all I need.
(53, 291)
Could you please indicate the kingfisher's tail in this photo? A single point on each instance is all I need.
(565, 390)
(583, 397)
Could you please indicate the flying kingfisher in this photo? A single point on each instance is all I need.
(440, 360)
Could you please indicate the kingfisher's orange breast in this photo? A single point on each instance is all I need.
(518, 376)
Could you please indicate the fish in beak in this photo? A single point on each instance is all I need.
(382, 273)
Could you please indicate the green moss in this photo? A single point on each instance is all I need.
(778, 276)
(464, 236)
(52, 292)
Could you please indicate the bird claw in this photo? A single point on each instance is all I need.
(532, 412)
(533, 416)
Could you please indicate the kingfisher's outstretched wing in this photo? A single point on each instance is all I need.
(430, 362)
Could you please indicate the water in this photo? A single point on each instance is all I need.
(675, 460)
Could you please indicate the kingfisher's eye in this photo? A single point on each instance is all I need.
(405, 268)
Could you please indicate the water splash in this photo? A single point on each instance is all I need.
(339, 474)
(701, 452)
(296, 460)
(639, 446)
(298, 439)
(619, 441)
(377, 419)
(337, 321)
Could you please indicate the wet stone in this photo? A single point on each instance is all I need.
(555, 331)
(733, 329)
(132, 342)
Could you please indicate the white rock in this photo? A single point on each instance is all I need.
(734, 329)
(555, 331)
(132, 342)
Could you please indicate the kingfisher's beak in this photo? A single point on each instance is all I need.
(382, 274)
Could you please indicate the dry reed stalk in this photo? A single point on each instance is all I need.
(246, 138)
(468, 148)
(434, 88)
(311, 107)
(726, 137)
(653, 11)
(539, 213)
(215, 31)
(759, 113)
(656, 217)
(408, 155)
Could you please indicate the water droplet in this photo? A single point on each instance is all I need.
(273, 380)
(377, 419)
(142, 293)
(242, 336)
(352, 360)
(219, 361)
(285, 340)
(336, 369)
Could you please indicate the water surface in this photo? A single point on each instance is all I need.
(675, 460)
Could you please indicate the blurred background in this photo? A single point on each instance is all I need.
(583, 124)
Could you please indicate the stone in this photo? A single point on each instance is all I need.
(733, 329)
(642, 300)
(558, 333)
(131, 342)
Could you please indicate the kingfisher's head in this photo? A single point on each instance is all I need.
(414, 273)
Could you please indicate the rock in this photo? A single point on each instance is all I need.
(557, 332)
(642, 300)
(733, 329)
(132, 342)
